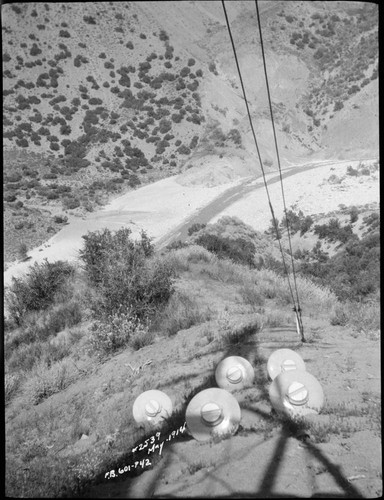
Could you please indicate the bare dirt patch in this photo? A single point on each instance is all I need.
(338, 455)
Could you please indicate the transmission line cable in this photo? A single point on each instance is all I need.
(258, 151)
(298, 311)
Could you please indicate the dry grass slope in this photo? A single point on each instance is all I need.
(66, 394)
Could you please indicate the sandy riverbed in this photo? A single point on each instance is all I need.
(160, 207)
(310, 192)
(156, 208)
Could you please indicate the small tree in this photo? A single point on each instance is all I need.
(353, 214)
(306, 225)
(338, 105)
(22, 251)
(274, 228)
(212, 68)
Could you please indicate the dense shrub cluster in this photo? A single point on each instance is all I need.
(333, 231)
(372, 221)
(353, 273)
(37, 290)
(125, 274)
(297, 222)
(228, 238)
(75, 153)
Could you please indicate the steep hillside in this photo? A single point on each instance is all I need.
(113, 95)
(71, 381)
(318, 58)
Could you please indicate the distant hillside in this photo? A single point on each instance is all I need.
(113, 95)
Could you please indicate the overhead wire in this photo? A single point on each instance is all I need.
(298, 312)
(274, 220)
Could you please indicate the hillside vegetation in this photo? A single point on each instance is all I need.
(76, 333)
(101, 98)
(117, 95)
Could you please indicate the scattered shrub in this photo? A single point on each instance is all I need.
(352, 171)
(185, 72)
(116, 331)
(305, 224)
(70, 203)
(338, 105)
(212, 68)
(168, 52)
(163, 36)
(183, 149)
(194, 141)
(64, 34)
(23, 143)
(79, 60)
(65, 129)
(35, 50)
(235, 136)
(89, 19)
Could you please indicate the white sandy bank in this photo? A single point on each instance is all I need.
(156, 208)
(160, 207)
(308, 191)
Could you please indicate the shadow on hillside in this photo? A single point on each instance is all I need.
(147, 484)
